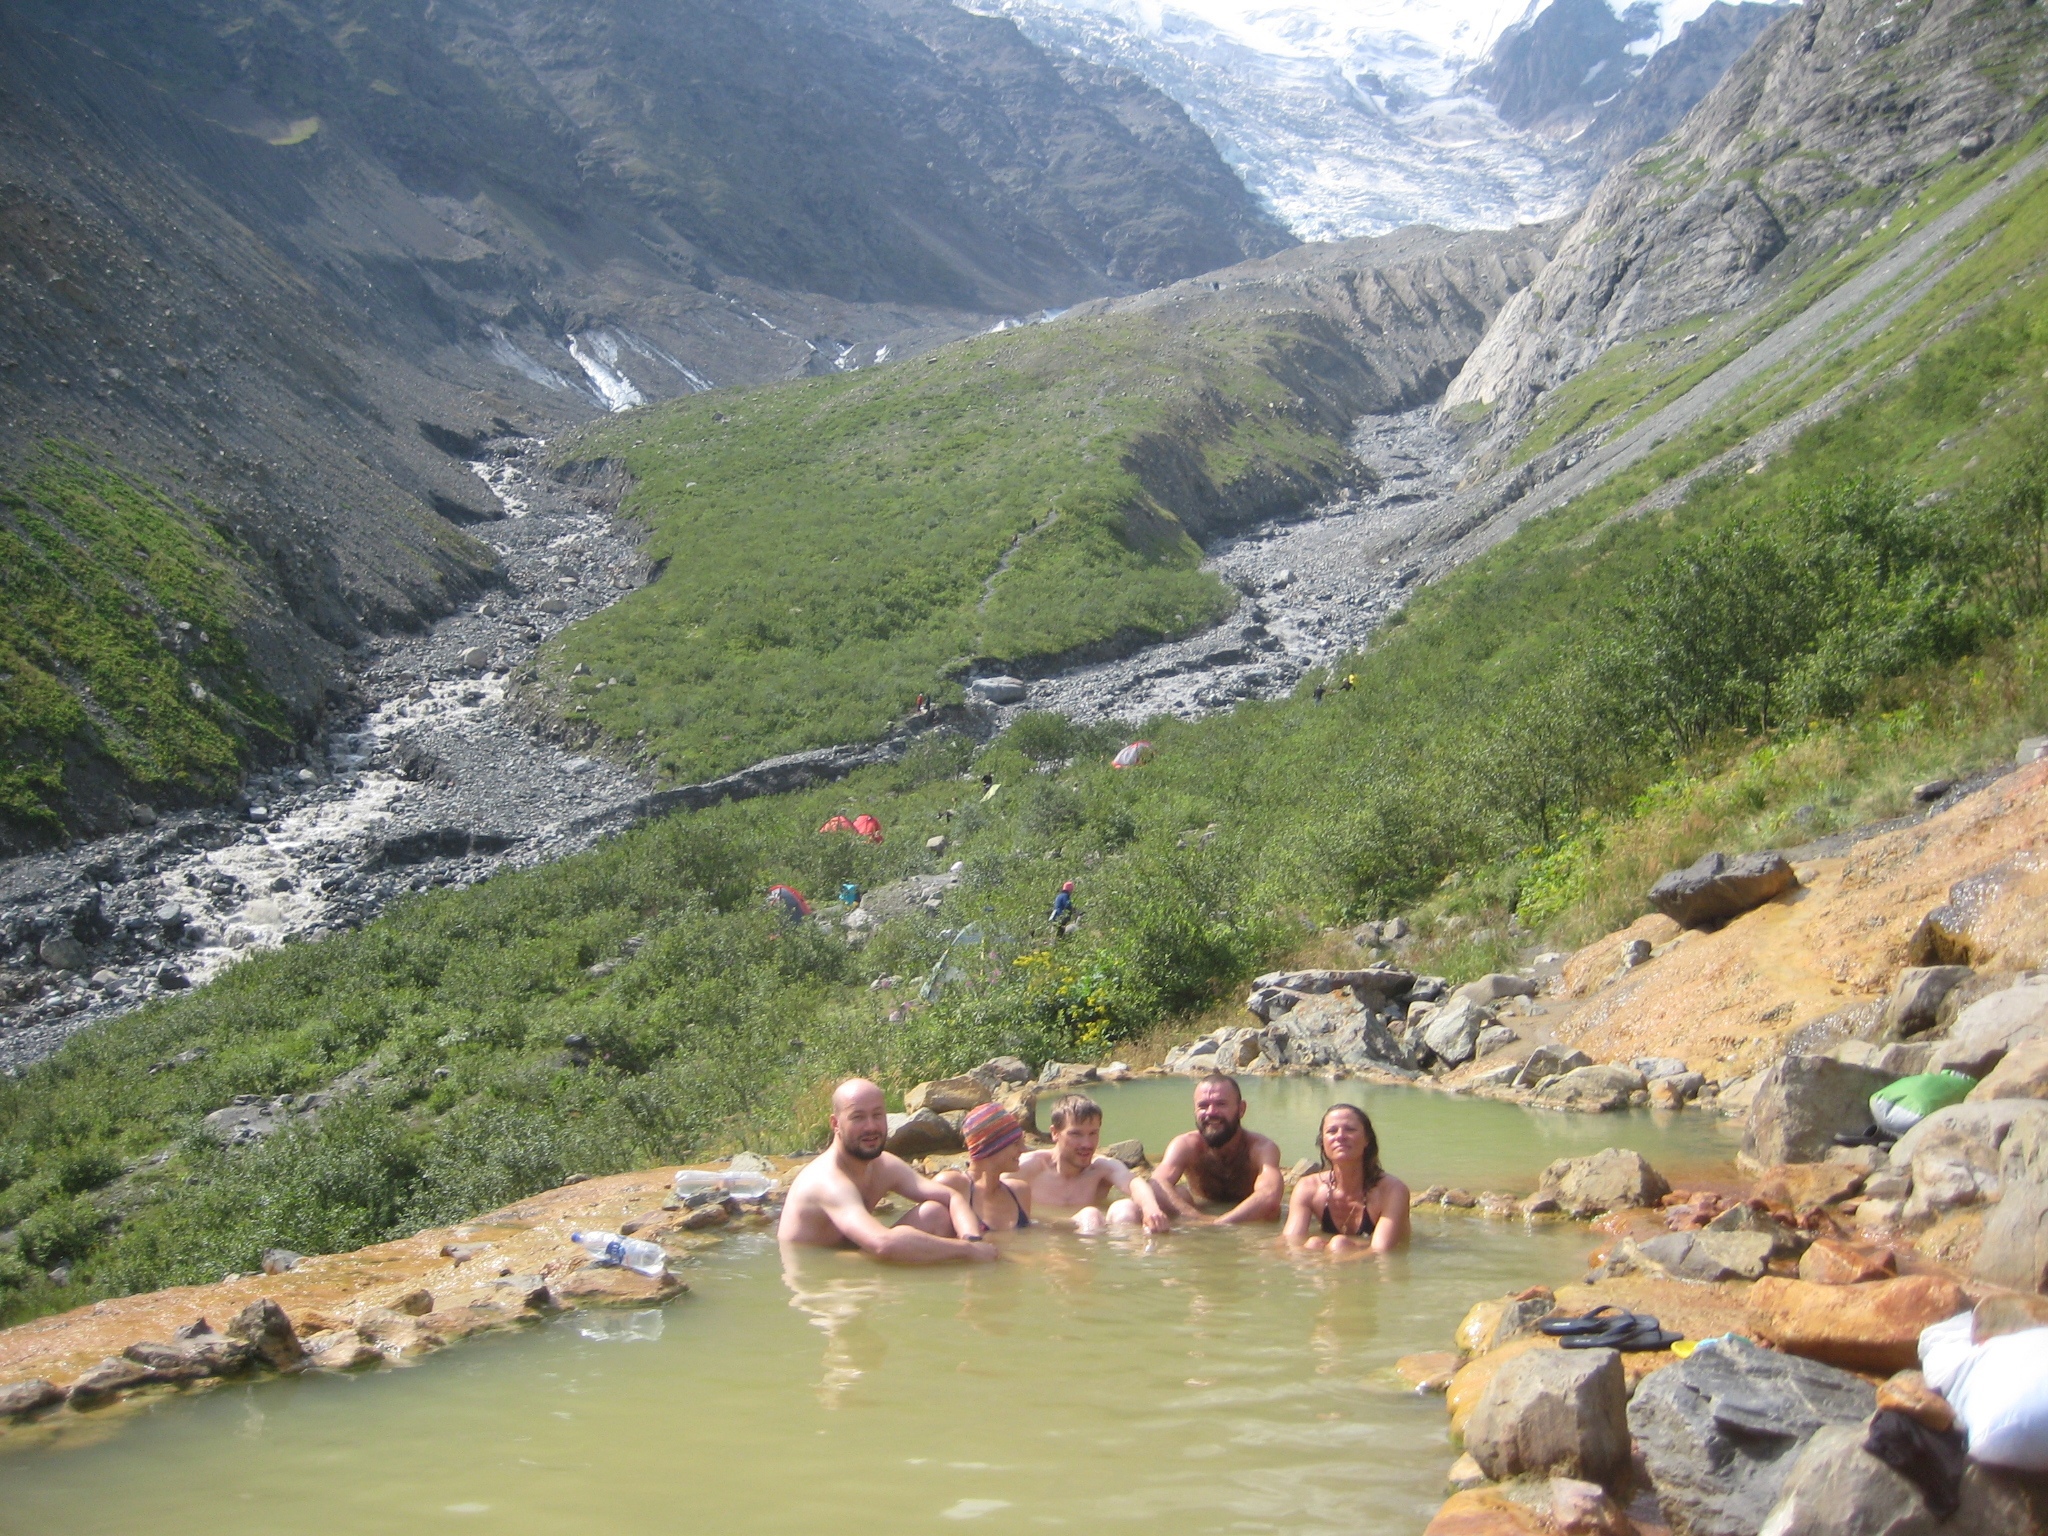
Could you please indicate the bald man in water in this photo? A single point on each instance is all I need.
(832, 1203)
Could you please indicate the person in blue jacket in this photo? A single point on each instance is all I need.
(1062, 907)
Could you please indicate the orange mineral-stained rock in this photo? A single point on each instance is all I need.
(1828, 1262)
(1874, 1326)
(391, 1300)
(1909, 1393)
(1486, 1512)
(1735, 996)
(609, 1286)
(1807, 1186)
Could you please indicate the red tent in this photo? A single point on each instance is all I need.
(837, 824)
(1136, 753)
(789, 899)
(867, 827)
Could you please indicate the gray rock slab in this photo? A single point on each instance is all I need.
(1612, 1179)
(1720, 886)
(1721, 1431)
(1802, 1103)
(1563, 1411)
(1837, 1488)
(1985, 1031)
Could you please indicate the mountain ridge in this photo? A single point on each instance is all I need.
(287, 267)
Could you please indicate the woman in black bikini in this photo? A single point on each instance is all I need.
(1349, 1205)
(995, 1145)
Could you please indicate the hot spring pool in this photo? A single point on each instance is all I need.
(1205, 1382)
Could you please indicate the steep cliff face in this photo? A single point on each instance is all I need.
(1677, 76)
(1550, 72)
(1823, 126)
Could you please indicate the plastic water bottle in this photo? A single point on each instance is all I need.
(610, 1248)
(699, 1181)
(696, 1184)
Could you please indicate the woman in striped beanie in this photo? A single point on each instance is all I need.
(995, 1144)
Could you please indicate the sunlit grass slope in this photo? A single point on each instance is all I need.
(98, 571)
(834, 547)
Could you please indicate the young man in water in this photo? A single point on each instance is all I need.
(1223, 1164)
(832, 1202)
(1071, 1176)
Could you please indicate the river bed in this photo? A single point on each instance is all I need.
(1203, 1382)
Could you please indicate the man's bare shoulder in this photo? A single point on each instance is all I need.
(1182, 1146)
(1044, 1160)
(1263, 1147)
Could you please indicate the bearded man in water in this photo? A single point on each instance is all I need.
(1223, 1164)
(1071, 1176)
(832, 1203)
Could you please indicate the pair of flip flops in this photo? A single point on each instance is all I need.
(1609, 1327)
(1872, 1136)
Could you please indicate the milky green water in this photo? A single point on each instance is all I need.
(1203, 1382)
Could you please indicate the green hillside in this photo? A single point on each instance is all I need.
(1783, 653)
(832, 548)
(119, 670)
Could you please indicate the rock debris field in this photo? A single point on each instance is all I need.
(435, 783)
(1313, 588)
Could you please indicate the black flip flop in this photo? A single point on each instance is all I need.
(1870, 1137)
(1617, 1336)
(1650, 1338)
(1586, 1322)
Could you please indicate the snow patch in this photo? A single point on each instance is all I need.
(597, 353)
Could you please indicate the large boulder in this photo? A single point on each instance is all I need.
(1989, 1028)
(2013, 1250)
(1490, 1324)
(1365, 1042)
(1592, 1090)
(1956, 1155)
(925, 1134)
(946, 1094)
(1874, 1326)
(1612, 1179)
(1916, 998)
(1708, 1256)
(1550, 1061)
(1452, 1033)
(999, 1071)
(1551, 1410)
(1801, 1105)
(999, 690)
(1378, 980)
(1837, 1488)
(1719, 887)
(264, 1326)
(1721, 1430)
(1496, 986)
(2022, 1074)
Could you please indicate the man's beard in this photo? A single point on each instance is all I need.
(1218, 1138)
(865, 1154)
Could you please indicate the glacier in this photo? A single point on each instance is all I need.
(1344, 116)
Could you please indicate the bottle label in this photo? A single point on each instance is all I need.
(615, 1251)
